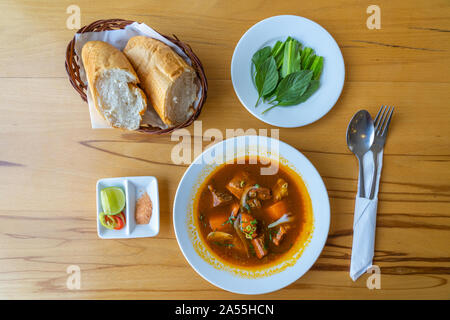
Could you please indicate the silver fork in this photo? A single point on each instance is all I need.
(382, 121)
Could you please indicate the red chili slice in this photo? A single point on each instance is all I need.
(124, 219)
(119, 222)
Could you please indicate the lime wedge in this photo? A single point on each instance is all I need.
(113, 200)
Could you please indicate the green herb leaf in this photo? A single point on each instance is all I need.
(314, 63)
(305, 54)
(279, 59)
(277, 48)
(286, 75)
(317, 68)
(260, 56)
(271, 93)
(294, 85)
(291, 58)
(306, 65)
(278, 53)
(266, 78)
(313, 86)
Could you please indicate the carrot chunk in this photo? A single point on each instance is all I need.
(277, 210)
(218, 222)
(258, 245)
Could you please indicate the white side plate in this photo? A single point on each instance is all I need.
(310, 34)
(133, 187)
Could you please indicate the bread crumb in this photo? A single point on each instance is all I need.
(143, 211)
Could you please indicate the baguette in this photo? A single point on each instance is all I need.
(113, 85)
(168, 81)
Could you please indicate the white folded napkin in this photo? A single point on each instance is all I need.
(364, 222)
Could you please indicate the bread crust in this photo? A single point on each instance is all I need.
(99, 56)
(158, 67)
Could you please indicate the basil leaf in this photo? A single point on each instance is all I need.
(266, 78)
(313, 86)
(260, 56)
(294, 85)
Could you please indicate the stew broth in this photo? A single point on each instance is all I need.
(248, 219)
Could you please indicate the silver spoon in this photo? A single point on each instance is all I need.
(360, 135)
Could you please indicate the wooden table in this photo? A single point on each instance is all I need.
(50, 158)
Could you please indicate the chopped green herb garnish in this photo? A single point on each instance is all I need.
(202, 219)
(227, 245)
(230, 221)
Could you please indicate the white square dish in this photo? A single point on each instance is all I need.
(133, 187)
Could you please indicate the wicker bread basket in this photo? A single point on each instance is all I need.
(73, 69)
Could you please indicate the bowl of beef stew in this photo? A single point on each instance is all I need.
(251, 214)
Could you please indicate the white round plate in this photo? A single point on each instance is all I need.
(183, 214)
(266, 33)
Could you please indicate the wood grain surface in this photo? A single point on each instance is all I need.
(50, 158)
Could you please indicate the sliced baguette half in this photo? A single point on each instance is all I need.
(113, 85)
(168, 81)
